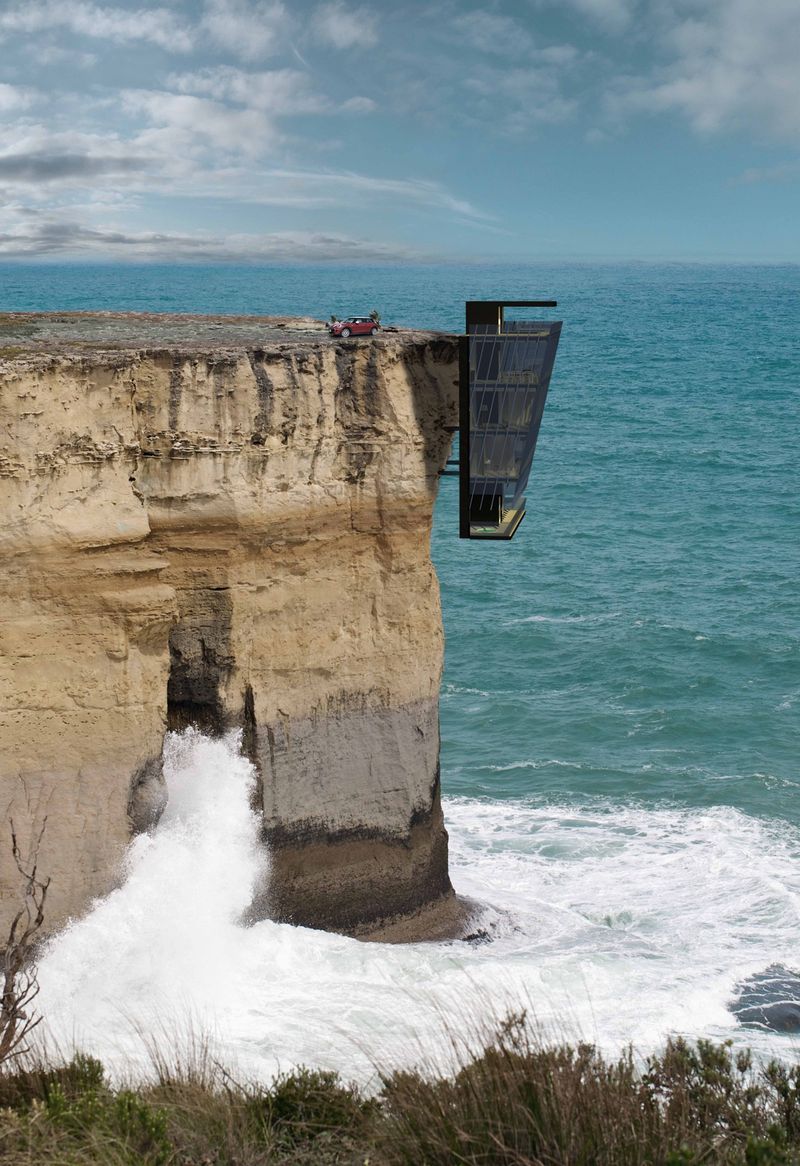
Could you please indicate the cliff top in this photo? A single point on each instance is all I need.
(28, 333)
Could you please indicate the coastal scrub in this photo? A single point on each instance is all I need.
(517, 1103)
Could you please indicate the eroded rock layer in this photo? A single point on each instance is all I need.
(227, 534)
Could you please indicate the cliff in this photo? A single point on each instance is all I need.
(226, 522)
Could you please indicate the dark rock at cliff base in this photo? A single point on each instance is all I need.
(770, 1000)
(148, 796)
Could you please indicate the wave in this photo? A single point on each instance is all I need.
(535, 764)
(614, 922)
(450, 689)
(602, 617)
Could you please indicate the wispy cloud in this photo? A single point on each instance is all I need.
(359, 105)
(491, 32)
(332, 188)
(784, 172)
(50, 54)
(160, 26)
(35, 236)
(345, 26)
(613, 16)
(485, 68)
(248, 30)
(280, 92)
(528, 97)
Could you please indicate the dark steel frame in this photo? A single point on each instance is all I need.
(478, 312)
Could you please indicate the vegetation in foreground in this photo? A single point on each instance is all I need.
(515, 1104)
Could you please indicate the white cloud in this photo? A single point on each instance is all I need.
(613, 15)
(280, 92)
(344, 26)
(332, 188)
(311, 189)
(491, 32)
(159, 26)
(40, 160)
(13, 98)
(558, 54)
(359, 105)
(249, 31)
(325, 189)
(31, 234)
(49, 54)
(485, 69)
(187, 125)
(518, 100)
(198, 148)
(731, 63)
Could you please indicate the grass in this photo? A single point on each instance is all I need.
(517, 1103)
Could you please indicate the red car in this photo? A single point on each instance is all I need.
(354, 326)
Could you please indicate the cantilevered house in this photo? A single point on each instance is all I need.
(504, 377)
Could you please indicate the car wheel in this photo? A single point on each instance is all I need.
(372, 331)
(345, 332)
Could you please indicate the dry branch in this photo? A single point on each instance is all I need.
(20, 983)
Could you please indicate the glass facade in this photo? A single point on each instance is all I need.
(507, 367)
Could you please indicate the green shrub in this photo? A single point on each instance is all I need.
(520, 1104)
(70, 1112)
(20, 1088)
(306, 1103)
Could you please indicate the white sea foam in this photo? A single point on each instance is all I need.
(462, 690)
(616, 923)
(536, 764)
(600, 617)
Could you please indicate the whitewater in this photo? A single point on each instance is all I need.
(615, 924)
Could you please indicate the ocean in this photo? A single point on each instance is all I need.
(620, 706)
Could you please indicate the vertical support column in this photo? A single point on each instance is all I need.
(463, 436)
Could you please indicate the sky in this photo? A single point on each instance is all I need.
(273, 131)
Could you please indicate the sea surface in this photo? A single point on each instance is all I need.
(620, 706)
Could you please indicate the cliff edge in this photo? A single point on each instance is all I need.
(226, 522)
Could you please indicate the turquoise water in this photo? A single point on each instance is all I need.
(640, 638)
(621, 700)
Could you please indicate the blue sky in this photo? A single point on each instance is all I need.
(258, 130)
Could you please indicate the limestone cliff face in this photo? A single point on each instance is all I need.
(226, 532)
